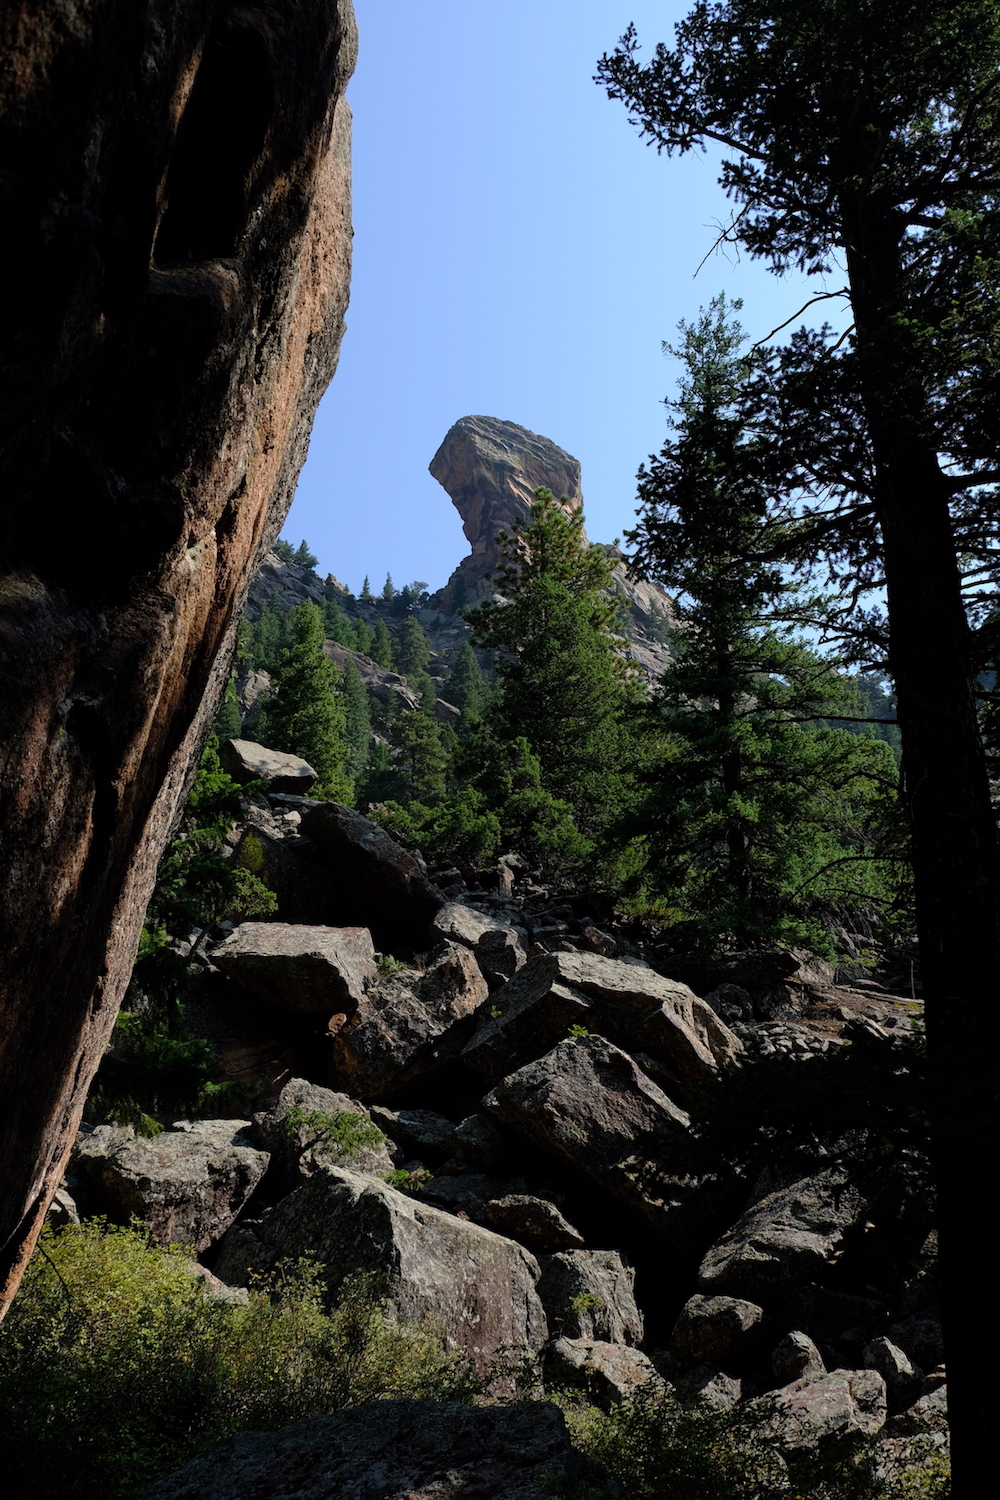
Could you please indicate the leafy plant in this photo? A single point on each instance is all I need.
(343, 1131)
(408, 1182)
(116, 1367)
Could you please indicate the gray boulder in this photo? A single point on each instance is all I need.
(498, 948)
(796, 1358)
(902, 1377)
(629, 1004)
(411, 1027)
(531, 1221)
(590, 1294)
(477, 1287)
(294, 1157)
(186, 1186)
(609, 1373)
(715, 1329)
(791, 1235)
(246, 761)
(381, 882)
(809, 1412)
(417, 1132)
(385, 1450)
(324, 969)
(586, 1105)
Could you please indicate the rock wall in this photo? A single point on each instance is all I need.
(176, 256)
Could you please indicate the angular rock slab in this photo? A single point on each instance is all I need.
(321, 969)
(477, 1287)
(409, 1029)
(715, 1328)
(384, 1450)
(590, 1294)
(790, 1236)
(246, 761)
(809, 1412)
(587, 1104)
(609, 1372)
(632, 1006)
(381, 881)
(531, 1221)
(187, 1186)
(293, 1158)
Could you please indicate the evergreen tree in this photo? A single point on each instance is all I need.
(337, 625)
(304, 556)
(228, 721)
(563, 687)
(388, 589)
(357, 721)
(380, 648)
(412, 652)
(366, 639)
(268, 634)
(307, 715)
(366, 591)
(467, 688)
(425, 759)
(758, 821)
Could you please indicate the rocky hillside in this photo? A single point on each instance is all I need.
(544, 1182)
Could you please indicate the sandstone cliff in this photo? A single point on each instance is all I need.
(176, 252)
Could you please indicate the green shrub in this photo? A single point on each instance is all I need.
(659, 1448)
(343, 1131)
(115, 1367)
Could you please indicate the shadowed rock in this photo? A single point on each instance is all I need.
(300, 968)
(246, 761)
(176, 214)
(383, 884)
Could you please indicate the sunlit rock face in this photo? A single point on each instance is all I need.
(176, 250)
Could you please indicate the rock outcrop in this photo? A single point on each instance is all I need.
(176, 223)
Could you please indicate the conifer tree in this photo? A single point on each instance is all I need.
(268, 634)
(366, 591)
(357, 721)
(467, 688)
(388, 589)
(366, 639)
(412, 652)
(307, 715)
(757, 819)
(563, 687)
(378, 644)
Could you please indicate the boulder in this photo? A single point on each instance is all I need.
(386, 686)
(383, 883)
(186, 1186)
(586, 1105)
(498, 948)
(590, 1294)
(791, 1235)
(411, 1027)
(796, 1358)
(324, 969)
(482, 1144)
(713, 1385)
(417, 1132)
(809, 1412)
(476, 1286)
(246, 761)
(715, 1329)
(632, 1006)
(902, 1377)
(457, 923)
(294, 1157)
(609, 1373)
(531, 1221)
(385, 1450)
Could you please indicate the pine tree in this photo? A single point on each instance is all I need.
(307, 715)
(229, 720)
(412, 652)
(757, 819)
(357, 721)
(366, 591)
(388, 589)
(563, 687)
(467, 688)
(269, 637)
(380, 648)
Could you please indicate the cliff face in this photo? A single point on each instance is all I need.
(176, 249)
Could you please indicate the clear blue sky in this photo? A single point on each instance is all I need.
(518, 253)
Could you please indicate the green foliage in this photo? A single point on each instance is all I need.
(366, 591)
(306, 716)
(467, 689)
(759, 823)
(115, 1367)
(405, 1181)
(267, 635)
(343, 1131)
(660, 1448)
(228, 721)
(380, 646)
(585, 1302)
(562, 686)
(357, 721)
(388, 590)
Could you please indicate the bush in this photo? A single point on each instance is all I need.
(115, 1367)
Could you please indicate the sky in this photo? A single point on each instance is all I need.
(519, 253)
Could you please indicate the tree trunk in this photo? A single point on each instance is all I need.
(955, 851)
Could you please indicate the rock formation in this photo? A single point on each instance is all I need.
(176, 244)
(491, 470)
